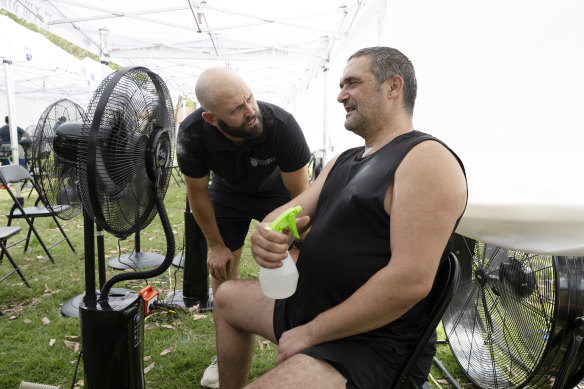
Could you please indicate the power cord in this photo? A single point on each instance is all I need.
(76, 368)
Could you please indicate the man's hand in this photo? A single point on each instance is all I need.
(220, 262)
(292, 342)
(269, 247)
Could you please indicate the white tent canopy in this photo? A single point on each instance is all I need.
(277, 45)
(499, 81)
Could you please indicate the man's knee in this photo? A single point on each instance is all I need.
(232, 294)
(224, 295)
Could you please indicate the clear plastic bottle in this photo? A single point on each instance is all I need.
(281, 282)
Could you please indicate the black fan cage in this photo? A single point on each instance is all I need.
(127, 110)
(57, 181)
(511, 319)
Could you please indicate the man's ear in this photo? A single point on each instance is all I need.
(209, 118)
(394, 86)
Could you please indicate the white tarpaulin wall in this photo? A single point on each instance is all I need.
(499, 81)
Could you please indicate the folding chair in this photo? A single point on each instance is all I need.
(446, 285)
(5, 234)
(174, 172)
(12, 174)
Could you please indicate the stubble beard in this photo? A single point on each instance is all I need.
(241, 131)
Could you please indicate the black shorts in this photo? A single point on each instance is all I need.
(366, 362)
(234, 212)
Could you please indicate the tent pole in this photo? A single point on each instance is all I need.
(11, 104)
(324, 111)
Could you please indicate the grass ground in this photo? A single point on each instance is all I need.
(39, 345)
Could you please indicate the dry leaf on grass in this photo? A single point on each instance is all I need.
(46, 320)
(80, 383)
(52, 342)
(150, 367)
(72, 336)
(27, 321)
(198, 316)
(147, 358)
(194, 308)
(168, 350)
(262, 343)
(168, 326)
(75, 346)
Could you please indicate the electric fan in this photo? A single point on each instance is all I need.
(315, 164)
(516, 318)
(26, 144)
(56, 179)
(53, 162)
(123, 156)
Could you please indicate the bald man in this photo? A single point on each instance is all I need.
(258, 157)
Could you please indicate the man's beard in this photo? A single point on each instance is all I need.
(242, 132)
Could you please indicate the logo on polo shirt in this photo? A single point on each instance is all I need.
(261, 162)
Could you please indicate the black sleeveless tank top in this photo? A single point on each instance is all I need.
(348, 243)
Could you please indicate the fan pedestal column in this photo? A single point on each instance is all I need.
(70, 307)
(137, 259)
(196, 276)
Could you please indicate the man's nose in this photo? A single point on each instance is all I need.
(342, 97)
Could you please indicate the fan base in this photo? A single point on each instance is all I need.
(179, 261)
(71, 307)
(136, 260)
(178, 298)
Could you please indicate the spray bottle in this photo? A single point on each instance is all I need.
(281, 282)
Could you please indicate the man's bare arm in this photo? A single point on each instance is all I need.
(296, 182)
(202, 207)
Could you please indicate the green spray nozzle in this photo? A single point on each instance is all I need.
(286, 219)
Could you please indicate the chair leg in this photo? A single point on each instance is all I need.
(28, 235)
(16, 268)
(31, 227)
(64, 234)
(174, 177)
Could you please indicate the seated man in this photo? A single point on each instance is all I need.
(5, 141)
(381, 219)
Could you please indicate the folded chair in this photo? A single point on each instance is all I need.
(5, 234)
(175, 172)
(13, 174)
(445, 288)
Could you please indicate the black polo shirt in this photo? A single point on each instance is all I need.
(253, 167)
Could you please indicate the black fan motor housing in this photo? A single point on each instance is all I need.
(158, 153)
(66, 141)
(518, 277)
(113, 342)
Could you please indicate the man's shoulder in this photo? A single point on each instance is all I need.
(191, 130)
(193, 121)
(273, 111)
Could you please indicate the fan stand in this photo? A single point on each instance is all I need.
(113, 329)
(70, 307)
(137, 259)
(194, 260)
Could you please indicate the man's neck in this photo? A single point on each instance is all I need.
(384, 135)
